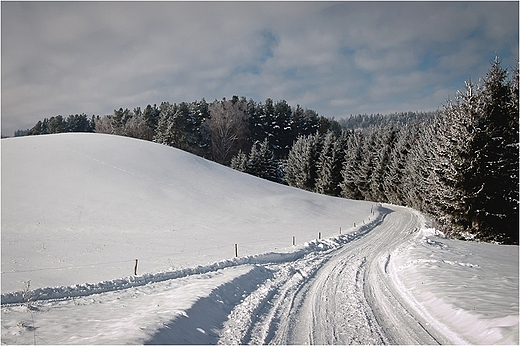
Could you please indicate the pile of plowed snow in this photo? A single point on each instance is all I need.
(82, 208)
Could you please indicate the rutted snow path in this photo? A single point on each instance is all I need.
(343, 297)
(190, 305)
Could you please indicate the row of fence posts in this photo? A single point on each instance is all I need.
(294, 238)
(293, 241)
(236, 248)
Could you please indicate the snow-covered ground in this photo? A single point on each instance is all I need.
(470, 290)
(78, 209)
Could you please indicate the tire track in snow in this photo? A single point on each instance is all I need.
(400, 324)
(283, 307)
(347, 298)
(332, 309)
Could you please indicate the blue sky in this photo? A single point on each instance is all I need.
(338, 58)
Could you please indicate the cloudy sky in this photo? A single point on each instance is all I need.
(338, 58)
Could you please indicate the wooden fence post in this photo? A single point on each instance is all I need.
(135, 268)
(236, 250)
(293, 240)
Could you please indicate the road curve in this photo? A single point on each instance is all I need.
(344, 297)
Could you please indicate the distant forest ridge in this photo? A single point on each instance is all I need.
(458, 164)
(84, 123)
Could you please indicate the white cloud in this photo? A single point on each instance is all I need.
(337, 58)
(395, 60)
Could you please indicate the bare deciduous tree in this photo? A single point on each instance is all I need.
(228, 128)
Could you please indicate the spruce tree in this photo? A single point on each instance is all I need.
(366, 172)
(492, 183)
(283, 136)
(301, 170)
(239, 161)
(325, 165)
(151, 116)
(394, 176)
(330, 163)
(261, 162)
(351, 166)
(452, 157)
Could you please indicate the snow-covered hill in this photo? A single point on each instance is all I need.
(82, 207)
(79, 209)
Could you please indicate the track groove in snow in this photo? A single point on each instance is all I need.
(337, 297)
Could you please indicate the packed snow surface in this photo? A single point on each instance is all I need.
(79, 209)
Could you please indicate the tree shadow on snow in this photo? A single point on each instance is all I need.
(204, 320)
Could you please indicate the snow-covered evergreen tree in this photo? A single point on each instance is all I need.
(239, 161)
(283, 136)
(261, 162)
(301, 169)
(325, 165)
(329, 164)
(492, 184)
(369, 154)
(350, 171)
(151, 116)
(162, 132)
(384, 141)
(393, 178)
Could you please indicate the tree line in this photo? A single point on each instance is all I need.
(365, 121)
(217, 131)
(59, 124)
(458, 164)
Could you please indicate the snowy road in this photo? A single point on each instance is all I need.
(344, 297)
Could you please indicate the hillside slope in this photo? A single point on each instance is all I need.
(109, 200)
